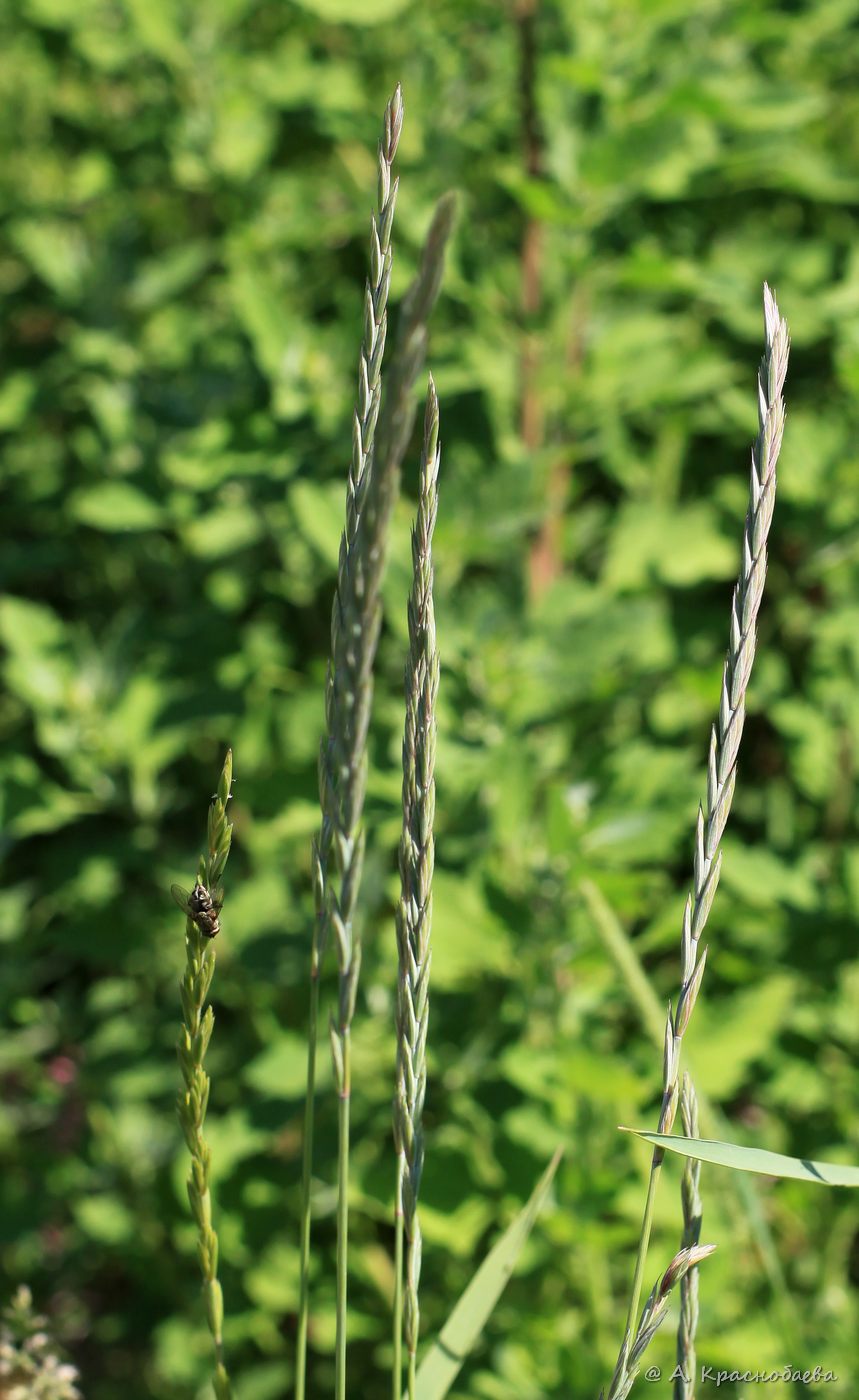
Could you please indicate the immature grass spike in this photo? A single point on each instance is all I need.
(727, 732)
(355, 623)
(652, 1317)
(355, 618)
(193, 1043)
(398, 409)
(724, 741)
(684, 1383)
(414, 912)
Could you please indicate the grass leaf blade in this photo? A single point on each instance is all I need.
(441, 1365)
(753, 1159)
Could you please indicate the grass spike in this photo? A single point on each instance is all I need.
(414, 912)
(725, 737)
(342, 761)
(197, 1025)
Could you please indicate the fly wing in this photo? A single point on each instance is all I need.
(182, 898)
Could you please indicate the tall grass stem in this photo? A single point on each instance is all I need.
(399, 1231)
(306, 1174)
(342, 1216)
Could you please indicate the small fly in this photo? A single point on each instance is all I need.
(199, 905)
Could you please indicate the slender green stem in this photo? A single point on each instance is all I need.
(306, 1169)
(397, 1373)
(413, 1375)
(343, 1211)
(644, 1240)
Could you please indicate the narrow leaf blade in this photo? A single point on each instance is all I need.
(442, 1363)
(620, 948)
(753, 1159)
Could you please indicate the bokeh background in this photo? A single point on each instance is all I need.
(185, 201)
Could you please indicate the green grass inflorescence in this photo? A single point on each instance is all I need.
(197, 1026)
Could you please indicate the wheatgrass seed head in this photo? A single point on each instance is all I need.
(417, 859)
(712, 818)
(198, 1021)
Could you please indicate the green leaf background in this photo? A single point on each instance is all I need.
(185, 194)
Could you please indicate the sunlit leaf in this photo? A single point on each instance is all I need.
(753, 1159)
(342, 11)
(116, 507)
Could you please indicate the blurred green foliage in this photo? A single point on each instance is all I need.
(185, 193)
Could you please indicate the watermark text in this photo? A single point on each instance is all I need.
(711, 1375)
